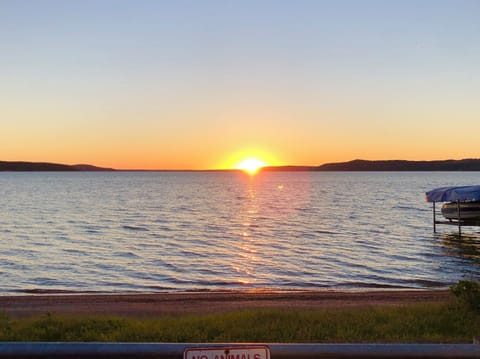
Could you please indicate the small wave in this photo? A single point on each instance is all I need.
(298, 285)
(52, 291)
(158, 288)
(396, 284)
(126, 255)
(157, 235)
(183, 209)
(368, 285)
(211, 227)
(94, 229)
(164, 264)
(325, 232)
(135, 228)
(425, 283)
(161, 220)
(411, 208)
(74, 251)
(210, 283)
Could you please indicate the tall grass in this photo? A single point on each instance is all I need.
(421, 323)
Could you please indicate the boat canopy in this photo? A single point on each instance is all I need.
(453, 194)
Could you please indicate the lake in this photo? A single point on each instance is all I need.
(123, 232)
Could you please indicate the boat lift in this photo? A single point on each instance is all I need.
(458, 195)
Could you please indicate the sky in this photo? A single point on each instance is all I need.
(205, 84)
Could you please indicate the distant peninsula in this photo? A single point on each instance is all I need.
(469, 164)
(45, 166)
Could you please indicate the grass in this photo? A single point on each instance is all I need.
(442, 323)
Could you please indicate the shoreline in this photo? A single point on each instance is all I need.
(148, 305)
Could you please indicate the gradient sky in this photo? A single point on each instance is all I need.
(203, 84)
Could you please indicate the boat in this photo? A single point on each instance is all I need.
(463, 202)
(463, 210)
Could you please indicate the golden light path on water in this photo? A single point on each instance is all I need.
(254, 248)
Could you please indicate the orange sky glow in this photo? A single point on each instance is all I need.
(156, 85)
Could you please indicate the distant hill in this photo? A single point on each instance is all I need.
(391, 165)
(290, 168)
(469, 164)
(44, 166)
(84, 167)
(402, 165)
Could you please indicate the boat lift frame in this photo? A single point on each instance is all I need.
(454, 194)
(454, 222)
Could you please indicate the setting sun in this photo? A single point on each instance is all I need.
(249, 159)
(250, 165)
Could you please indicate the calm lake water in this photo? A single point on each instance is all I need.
(154, 231)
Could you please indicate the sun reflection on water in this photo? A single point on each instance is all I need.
(258, 247)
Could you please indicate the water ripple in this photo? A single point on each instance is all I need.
(135, 228)
(130, 232)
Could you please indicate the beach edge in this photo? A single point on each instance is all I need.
(145, 305)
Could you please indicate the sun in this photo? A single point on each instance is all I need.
(249, 159)
(250, 165)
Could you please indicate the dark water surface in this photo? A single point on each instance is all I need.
(154, 231)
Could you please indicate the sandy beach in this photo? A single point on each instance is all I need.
(159, 304)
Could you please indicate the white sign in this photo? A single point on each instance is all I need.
(253, 352)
